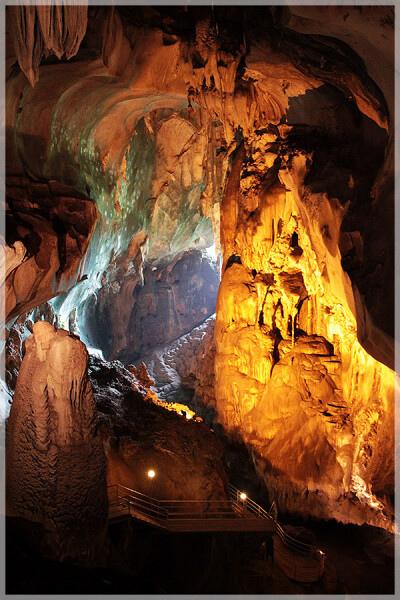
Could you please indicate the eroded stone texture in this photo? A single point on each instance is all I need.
(46, 242)
(145, 122)
(13, 355)
(140, 435)
(183, 371)
(56, 468)
(291, 375)
(140, 307)
(296, 104)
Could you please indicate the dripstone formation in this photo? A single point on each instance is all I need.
(166, 162)
(56, 466)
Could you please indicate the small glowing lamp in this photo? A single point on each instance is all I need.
(151, 473)
(243, 496)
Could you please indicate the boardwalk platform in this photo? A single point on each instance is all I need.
(187, 515)
(298, 560)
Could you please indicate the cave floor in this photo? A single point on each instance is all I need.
(360, 560)
(367, 564)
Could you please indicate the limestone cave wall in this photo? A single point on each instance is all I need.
(139, 137)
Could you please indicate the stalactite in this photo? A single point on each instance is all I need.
(116, 48)
(28, 43)
(259, 221)
(42, 30)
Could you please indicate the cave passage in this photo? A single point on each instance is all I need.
(199, 297)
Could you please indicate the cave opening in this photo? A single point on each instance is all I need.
(198, 290)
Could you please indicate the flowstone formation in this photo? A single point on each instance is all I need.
(144, 118)
(265, 131)
(55, 464)
(315, 408)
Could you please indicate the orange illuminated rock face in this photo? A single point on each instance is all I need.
(270, 131)
(145, 123)
(56, 467)
(291, 376)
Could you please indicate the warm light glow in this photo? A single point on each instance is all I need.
(151, 473)
(243, 496)
(174, 407)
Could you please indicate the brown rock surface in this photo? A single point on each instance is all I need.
(46, 242)
(56, 470)
(268, 129)
(185, 93)
(140, 435)
(141, 306)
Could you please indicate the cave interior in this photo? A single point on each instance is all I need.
(198, 387)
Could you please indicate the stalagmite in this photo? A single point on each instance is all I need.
(55, 465)
(253, 130)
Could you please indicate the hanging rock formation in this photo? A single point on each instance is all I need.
(46, 242)
(44, 30)
(267, 132)
(204, 82)
(56, 469)
(315, 408)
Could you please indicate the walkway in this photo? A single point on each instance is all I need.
(298, 560)
(190, 515)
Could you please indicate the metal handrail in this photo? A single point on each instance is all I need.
(247, 504)
(148, 506)
(292, 542)
(163, 511)
(135, 492)
(176, 509)
(287, 539)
